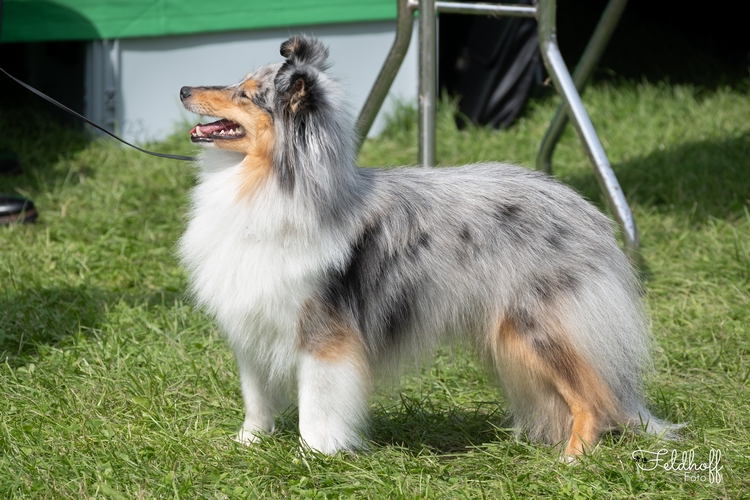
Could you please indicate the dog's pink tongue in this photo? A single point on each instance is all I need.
(210, 128)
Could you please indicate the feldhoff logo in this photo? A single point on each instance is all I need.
(681, 462)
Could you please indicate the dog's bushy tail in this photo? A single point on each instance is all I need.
(613, 332)
(575, 367)
(648, 424)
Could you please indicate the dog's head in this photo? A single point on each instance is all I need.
(274, 112)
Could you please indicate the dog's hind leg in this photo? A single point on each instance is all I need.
(259, 417)
(334, 387)
(554, 392)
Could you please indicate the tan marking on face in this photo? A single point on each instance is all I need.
(259, 139)
(210, 101)
(590, 401)
(258, 163)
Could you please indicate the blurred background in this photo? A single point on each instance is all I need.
(122, 63)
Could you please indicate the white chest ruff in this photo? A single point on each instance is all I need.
(253, 265)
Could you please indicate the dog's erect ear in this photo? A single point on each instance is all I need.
(300, 50)
(298, 94)
(297, 88)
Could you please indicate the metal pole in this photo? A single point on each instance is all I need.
(591, 56)
(404, 27)
(582, 123)
(427, 82)
(486, 9)
(379, 91)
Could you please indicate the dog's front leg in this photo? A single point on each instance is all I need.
(259, 417)
(334, 389)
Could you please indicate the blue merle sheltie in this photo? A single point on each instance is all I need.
(323, 274)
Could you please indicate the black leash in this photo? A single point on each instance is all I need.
(81, 117)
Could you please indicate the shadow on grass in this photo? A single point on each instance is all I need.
(696, 179)
(39, 141)
(417, 424)
(48, 316)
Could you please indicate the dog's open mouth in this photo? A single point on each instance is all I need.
(220, 129)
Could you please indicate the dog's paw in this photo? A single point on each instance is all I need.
(329, 443)
(248, 435)
(308, 451)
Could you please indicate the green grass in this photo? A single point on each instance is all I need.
(114, 386)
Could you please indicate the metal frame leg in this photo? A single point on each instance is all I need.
(427, 82)
(404, 26)
(582, 123)
(594, 49)
(379, 91)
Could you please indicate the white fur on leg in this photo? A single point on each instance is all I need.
(259, 418)
(333, 404)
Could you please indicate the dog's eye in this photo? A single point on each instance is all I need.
(242, 94)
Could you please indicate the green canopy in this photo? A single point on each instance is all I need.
(42, 20)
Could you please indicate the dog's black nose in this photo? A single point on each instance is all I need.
(185, 92)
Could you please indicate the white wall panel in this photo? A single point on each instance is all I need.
(152, 70)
